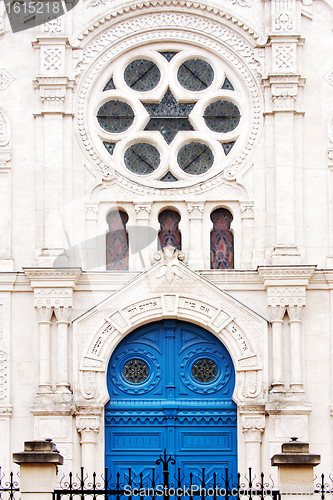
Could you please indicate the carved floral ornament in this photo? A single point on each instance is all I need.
(108, 45)
(162, 293)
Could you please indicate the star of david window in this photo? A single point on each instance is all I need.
(170, 115)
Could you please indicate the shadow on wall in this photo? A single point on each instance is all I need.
(91, 254)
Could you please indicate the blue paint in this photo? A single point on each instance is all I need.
(196, 422)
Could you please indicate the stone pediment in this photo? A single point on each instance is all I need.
(169, 289)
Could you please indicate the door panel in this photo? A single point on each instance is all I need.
(170, 386)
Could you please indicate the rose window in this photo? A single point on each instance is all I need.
(166, 116)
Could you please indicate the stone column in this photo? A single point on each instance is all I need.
(44, 322)
(141, 244)
(62, 315)
(295, 465)
(253, 426)
(196, 260)
(277, 314)
(88, 428)
(38, 468)
(248, 234)
(296, 381)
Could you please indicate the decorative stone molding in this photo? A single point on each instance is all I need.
(195, 209)
(88, 426)
(52, 92)
(5, 79)
(3, 376)
(169, 257)
(253, 426)
(142, 211)
(44, 313)
(62, 314)
(247, 210)
(5, 134)
(286, 286)
(122, 11)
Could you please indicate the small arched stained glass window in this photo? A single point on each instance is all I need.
(142, 75)
(204, 370)
(195, 158)
(142, 158)
(136, 371)
(222, 116)
(169, 233)
(115, 116)
(221, 240)
(117, 241)
(195, 75)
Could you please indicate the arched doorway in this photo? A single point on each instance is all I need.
(170, 385)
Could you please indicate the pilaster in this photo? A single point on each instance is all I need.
(6, 261)
(195, 210)
(53, 84)
(247, 216)
(283, 84)
(142, 240)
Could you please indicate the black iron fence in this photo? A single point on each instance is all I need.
(154, 487)
(8, 487)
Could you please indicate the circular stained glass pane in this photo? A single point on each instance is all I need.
(195, 158)
(222, 116)
(195, 74)
(142, 158)
(115, 116)
(136, 371)
(204, 370)
(142, 75)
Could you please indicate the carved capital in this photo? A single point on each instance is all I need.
(277, 312)
(253, 426)
(142, 211)
(195, 209)
(88, 426)
(295, 313)
(44, 314)
(91, 211)
(247, 210)
(62, 314)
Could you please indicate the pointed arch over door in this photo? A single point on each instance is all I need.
(170, 385)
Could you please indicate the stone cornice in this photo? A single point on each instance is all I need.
(285, 275)
(53, 278)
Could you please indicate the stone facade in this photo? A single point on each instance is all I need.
(62, 314)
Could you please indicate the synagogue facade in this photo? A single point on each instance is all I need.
(166, 232)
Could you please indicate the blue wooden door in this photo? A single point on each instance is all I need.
(170, 386)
